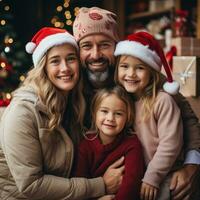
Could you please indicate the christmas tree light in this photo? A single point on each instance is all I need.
(64, 16)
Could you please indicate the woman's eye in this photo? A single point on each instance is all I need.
(55, 61)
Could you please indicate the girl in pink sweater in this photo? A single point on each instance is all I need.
(158, 122)
(111, 138)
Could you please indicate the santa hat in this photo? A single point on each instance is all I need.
(146, 48)
(46, 38)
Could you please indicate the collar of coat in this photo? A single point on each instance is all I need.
(28, 94)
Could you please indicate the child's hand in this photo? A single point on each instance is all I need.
(148, 192)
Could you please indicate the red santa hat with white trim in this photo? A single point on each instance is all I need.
(46, 38)
(145, 47)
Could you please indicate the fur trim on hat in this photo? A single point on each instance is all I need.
(139, 51)
(171, 88)
(50, 41)
(30, 47)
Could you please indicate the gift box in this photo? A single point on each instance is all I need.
(186, 70)
(187, 46)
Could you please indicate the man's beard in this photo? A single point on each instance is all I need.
(98, 78)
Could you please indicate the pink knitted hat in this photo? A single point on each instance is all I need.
(93, 21)
(145, 47)
(46, 38)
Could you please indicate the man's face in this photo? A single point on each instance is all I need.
(97, 52)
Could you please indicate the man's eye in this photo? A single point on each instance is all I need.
(85, 46)
(104, 46)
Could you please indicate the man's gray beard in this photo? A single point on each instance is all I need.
(97, 78)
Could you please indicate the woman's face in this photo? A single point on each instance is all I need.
(63, 67)
(133, 74)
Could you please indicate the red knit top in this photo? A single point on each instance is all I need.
(94, 158)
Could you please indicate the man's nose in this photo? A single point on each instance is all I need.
(95, 53)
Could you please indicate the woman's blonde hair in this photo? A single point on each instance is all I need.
(122, 95)
(149, 96)
(57, 102)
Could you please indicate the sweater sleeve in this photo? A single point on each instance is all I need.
(169, 128)
(83, 164)
(134, 168)
(23, 154)
(191, 125)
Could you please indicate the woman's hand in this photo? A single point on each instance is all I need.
(113, 176)
(148, 192)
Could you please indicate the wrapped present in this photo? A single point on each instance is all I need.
(186, 70)
(187, 46)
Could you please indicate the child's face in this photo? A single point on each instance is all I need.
(133, 74)
(111, 118)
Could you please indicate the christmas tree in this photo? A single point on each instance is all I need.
(13, 58)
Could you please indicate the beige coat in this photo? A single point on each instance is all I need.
(34, 162)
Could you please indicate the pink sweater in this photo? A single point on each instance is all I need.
(161, 137)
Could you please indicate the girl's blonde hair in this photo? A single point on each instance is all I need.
(149, 96)
(122, 95)
(55, 100)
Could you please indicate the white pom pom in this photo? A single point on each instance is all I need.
(30, 46)
(171, 88)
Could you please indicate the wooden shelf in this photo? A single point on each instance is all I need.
(118, 6)
(149, 14)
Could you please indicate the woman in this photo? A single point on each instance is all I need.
(36, 153)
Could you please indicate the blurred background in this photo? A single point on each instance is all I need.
(175, 23)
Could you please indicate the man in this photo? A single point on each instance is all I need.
(95, 29)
